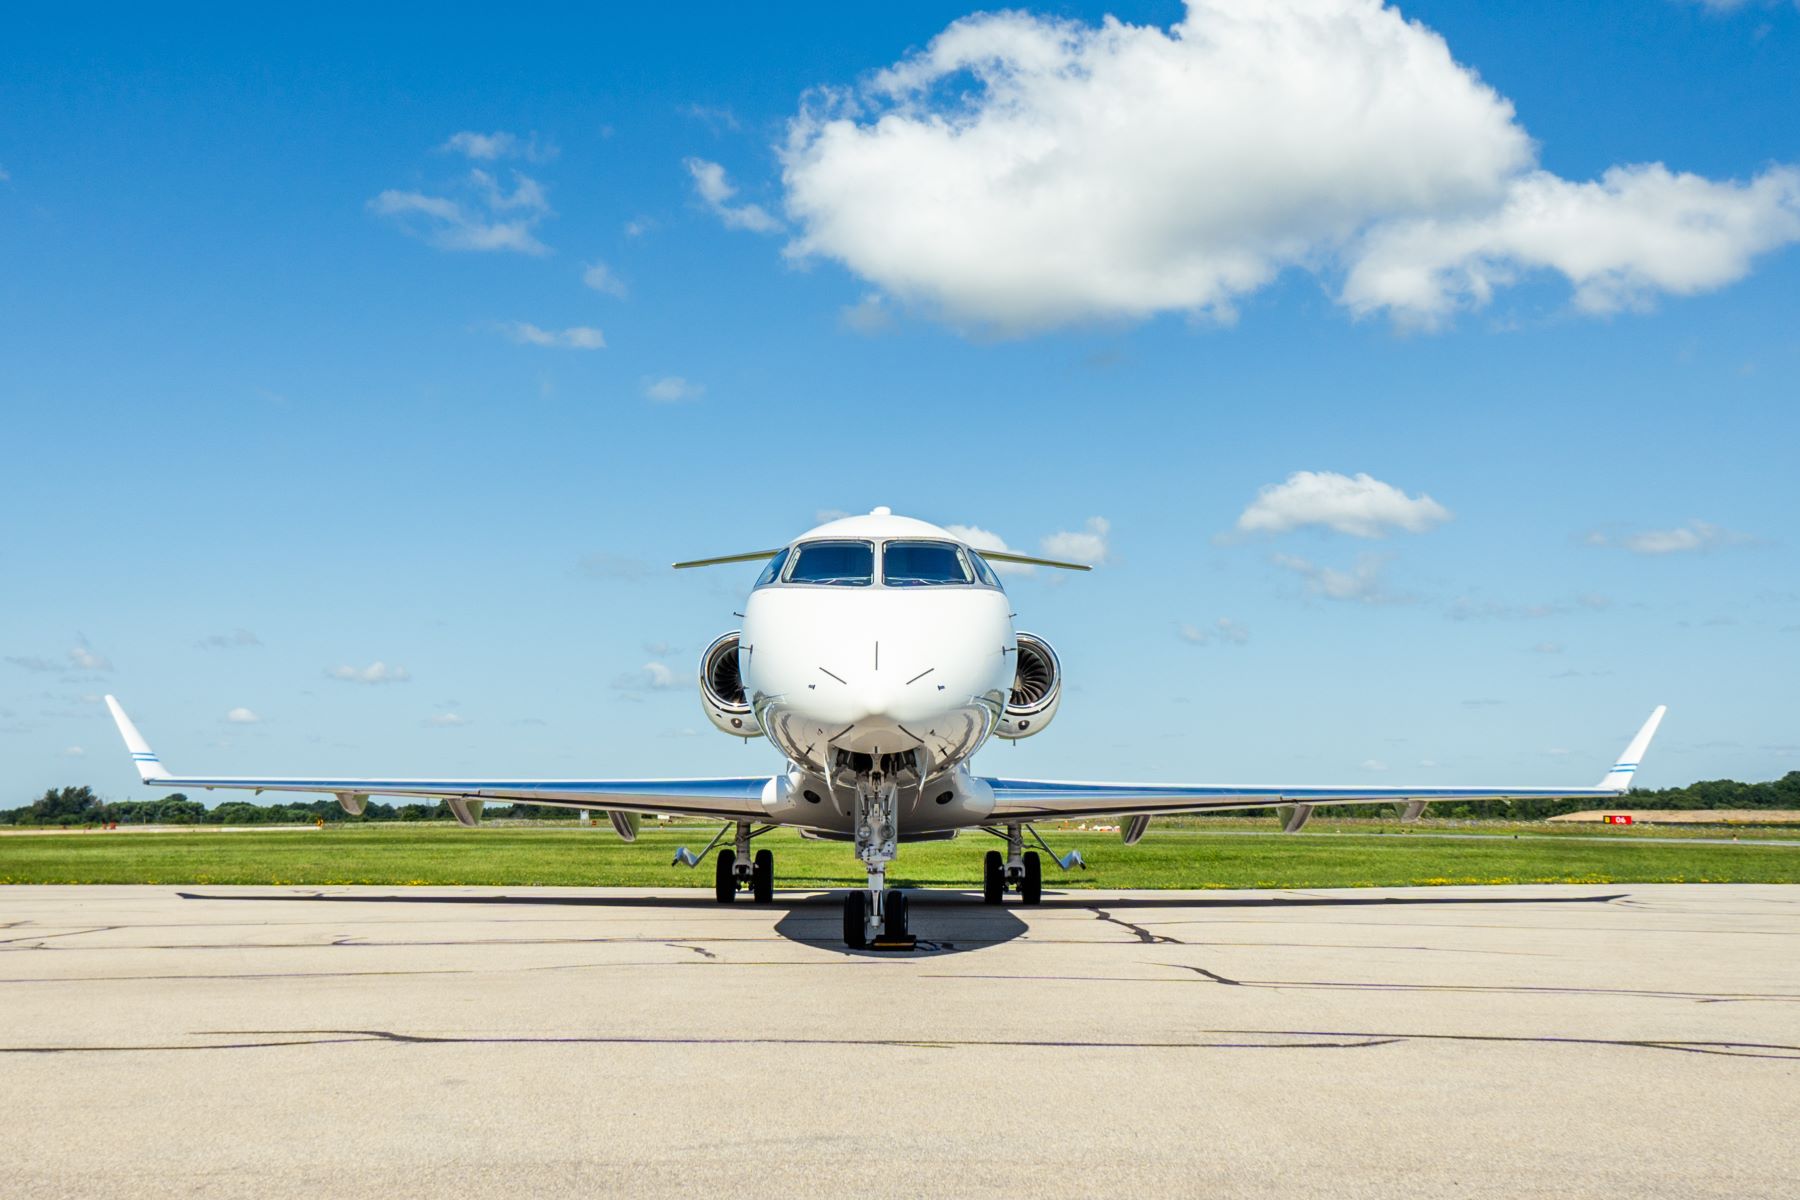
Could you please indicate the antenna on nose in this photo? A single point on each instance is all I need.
(881, 510)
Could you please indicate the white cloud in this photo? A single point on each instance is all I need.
(651, 677)
(984, 539)
(673, 389)
(1022, 172)
(485, 216)
(575, 337)
(1547, 648)
(236, 639)
(375, 672)
(446, 720)
(1087, 545)
(601, 278)
(490, 147)
(74, 752)
(872, 314)
(1638, 232)
(1361, 583)
(1360, 505)
(242, 716)
(83, 658)
(716, 191)
(1373, 764)
(1225, 629)
(1692, 537)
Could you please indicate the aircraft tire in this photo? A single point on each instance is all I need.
(1031, 890)
(762, 877)
(856, 926)
(894, 913)
(993, 877)
(725, 877)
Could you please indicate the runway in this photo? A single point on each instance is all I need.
(1543, 1041)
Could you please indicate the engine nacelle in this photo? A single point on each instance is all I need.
(722, 689)
(1036, 690)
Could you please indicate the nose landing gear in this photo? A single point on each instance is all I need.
(876, 914)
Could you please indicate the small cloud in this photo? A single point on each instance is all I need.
(870, 315)
(826, 516)
(1359, 505)
(236, 639)
(482, 216)
(659, 649)
(33, 662)
(491, 147)
(73, 752)
(602, 279)
(1694, 537)
(639, 226)
(83, 658)
(575, 337)
(1225, 629)
(1361, 583)
(1087, 545)
(241, 716)
(375, 672)
(535, 721)
(651, 677)
(1428, 763)
(673, 389)
(716, 191)
(445, 720)
(1373, 764)
(985, 539)
(1547, 648)
(719, 119)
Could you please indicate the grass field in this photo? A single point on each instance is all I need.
(1327, 854)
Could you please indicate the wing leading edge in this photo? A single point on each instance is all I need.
(1027, 799)
(733, 798)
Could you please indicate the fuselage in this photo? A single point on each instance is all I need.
(878, 644)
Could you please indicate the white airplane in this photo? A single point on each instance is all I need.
(878, 654)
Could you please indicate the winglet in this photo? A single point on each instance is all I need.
(149, 767)
(1619, 778)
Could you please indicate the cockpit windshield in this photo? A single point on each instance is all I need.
(845, 564)
(772, 572)
(922, 564)
(983, 571)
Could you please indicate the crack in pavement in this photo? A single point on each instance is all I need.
(1143, 935)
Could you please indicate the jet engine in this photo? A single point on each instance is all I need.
(1036, 690)
(722, 689)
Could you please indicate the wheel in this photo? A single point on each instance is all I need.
(894, 913)
(725, 877)
(762, 877)
(856, 923)
(993, 877)
(1032, 889)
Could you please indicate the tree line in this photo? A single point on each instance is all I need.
(79, 806)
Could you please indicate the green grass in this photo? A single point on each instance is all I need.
(1328, 854)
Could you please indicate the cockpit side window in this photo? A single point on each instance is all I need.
(772, 572)
(983, 571)
(843, 564)
(922, 564)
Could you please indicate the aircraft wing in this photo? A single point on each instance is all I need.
(736, 798)
(1036, 800)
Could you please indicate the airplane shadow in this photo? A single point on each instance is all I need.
(944, 920)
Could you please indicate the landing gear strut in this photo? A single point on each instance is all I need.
(735, 869)
(876, 913)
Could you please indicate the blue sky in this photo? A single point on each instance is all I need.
(290, 391)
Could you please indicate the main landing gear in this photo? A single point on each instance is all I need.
(736, 869)
(876, 914)
(1019, 870)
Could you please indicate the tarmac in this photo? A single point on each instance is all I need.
(448, 1042)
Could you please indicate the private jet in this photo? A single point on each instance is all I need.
(878, 655)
